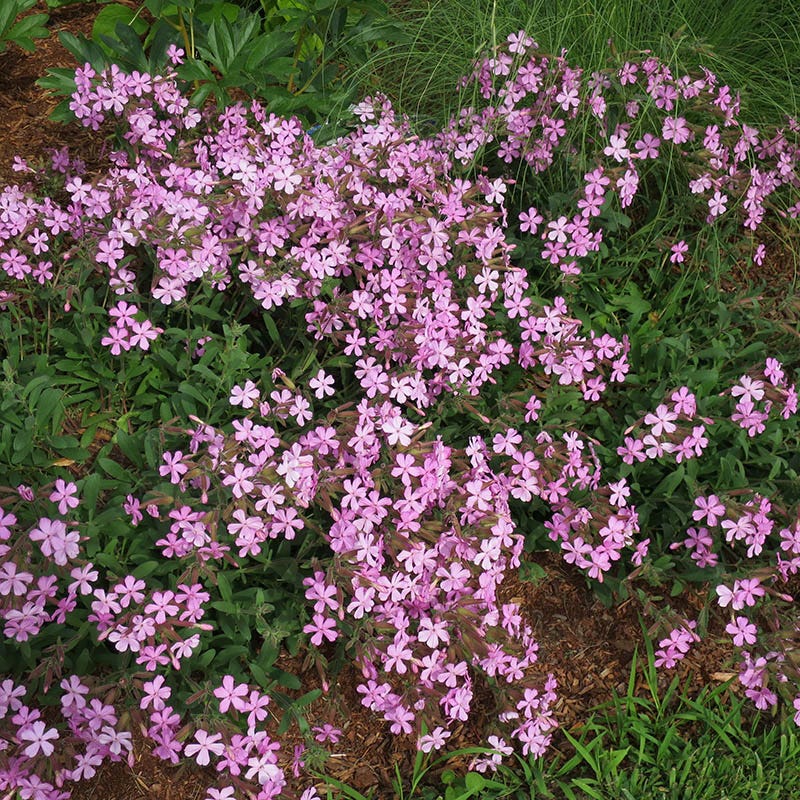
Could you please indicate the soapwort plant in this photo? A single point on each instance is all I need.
(386, 459)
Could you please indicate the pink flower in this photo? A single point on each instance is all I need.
(142, 333)
(530, 220)
(40, 738)
(64, 494)
(679, 250)
(155, 692)
(742, 631)
(327, 733)
(7, 522)
(616, 148)
(173, 467)
(321, 628)
(773, 371)
(677, 130)
(647, 146)
(434, 740)
(662, 420)
(175, 54)
(207, 745)
(322, 384)
(13, 580)
(725, 595)
(74, 693)
(717, 204)
(246, 396)
(117, 340)
(225, 793)
(56, 542)
(231, 695)
(709, 508)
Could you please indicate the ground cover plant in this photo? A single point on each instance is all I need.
(384, 387)
(292, 55)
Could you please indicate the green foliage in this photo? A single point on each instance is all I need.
(674, 745)
(67, 404)
(293, 55)
(21, 32)
(70, 409)
(447, 35)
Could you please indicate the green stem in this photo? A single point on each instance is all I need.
(300, 39)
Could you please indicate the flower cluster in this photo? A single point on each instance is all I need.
(397, 263)
(674, 647)
(759, 394)
(418, 560)
(43, 578)
(673, 428)
(749, 524)
(630, 118)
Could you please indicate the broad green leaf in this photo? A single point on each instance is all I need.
(109, 16)
(114, 470)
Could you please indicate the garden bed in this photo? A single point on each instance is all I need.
(586, 645)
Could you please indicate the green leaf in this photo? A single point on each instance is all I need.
(199, 310)
(63, 3)
(267, 46)
(83, 50)
(531, 572)
(9, 12)
(114, 470)
(224, 586)
(158, 39)
(307, 699)
(106, 21)
(90, 491)
(199, 97)
(261, 677)
(146, 569)
(617, 757)
(287, 679)
(272, 329)
(582, 753)
(221, 49)
(209, 12)
(267, 656)
(61, 81)
(668, 485)
(50, 409)
(185, 387)
(474, 781)
(226, 607)
(131, 446)
(152, 449)
(26, 30)
(128, 45)
(195, 70)
(590, 788)
(35, 387)
(230, 654)
(24, 437)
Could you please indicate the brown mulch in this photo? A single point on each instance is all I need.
(25, 129)
(587, 646)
